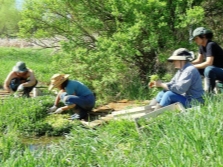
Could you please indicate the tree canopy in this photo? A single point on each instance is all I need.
(9, 18)
(105, 38)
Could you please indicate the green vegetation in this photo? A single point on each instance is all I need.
(113, 47)
(193, 138)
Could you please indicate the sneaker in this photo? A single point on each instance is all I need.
(75, 116)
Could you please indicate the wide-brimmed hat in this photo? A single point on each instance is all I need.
(57, 79)
(200, 31)
(20, 67)
(182, 54)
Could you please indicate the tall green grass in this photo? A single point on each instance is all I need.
(193, 138)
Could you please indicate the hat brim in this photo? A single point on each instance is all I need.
(58, 82)
(172, 58)
(191, 38)
(16, 69)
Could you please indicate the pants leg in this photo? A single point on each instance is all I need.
(166, 98)
(14, 84)
(84, 103)
(212, 74)
(27, 90)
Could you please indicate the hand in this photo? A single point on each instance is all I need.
(52, 109)
(151, 84)
(58, 111)
(157, 83)
(20, 88)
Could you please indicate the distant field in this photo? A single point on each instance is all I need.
(36, 59)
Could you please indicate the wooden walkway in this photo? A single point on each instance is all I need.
(107, 113)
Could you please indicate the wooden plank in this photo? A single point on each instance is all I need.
(175, 106)
(172, 107)
(131, 116)
(143, 109)
(98, 122)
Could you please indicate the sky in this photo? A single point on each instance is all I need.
(19, 4)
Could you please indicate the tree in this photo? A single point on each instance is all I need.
(9, 18)
(111, 37)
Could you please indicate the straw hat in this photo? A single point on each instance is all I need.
(57, 79)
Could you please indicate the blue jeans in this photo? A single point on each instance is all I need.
(212, 73)
(84, 103)
(165, 98)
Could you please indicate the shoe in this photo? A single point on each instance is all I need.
(75, 116)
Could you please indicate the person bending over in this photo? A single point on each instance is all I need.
(21, 79)
(73, 93)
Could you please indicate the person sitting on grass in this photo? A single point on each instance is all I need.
(20, 79)
(73, 93)
(185, 87)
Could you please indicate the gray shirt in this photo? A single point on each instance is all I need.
(187, 82)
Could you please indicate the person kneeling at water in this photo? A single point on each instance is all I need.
(20, 79)
(185, 87)
(73, 93)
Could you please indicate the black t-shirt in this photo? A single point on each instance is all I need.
(213, 49)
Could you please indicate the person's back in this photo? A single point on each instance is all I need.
(77, 88)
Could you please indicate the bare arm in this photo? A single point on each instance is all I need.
(68, 107)
(208, 62)
(32, 79)
(57, 100)
(199, 59)
(161, 84)
(7, 81)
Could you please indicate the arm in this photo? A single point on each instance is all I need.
(7, 82)
(199, 59)
(32, 80)
(68, 107)
(209, 61)
(61, 109)
(57, 100)
(161, 84)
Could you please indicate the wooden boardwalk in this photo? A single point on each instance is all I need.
(115, 111)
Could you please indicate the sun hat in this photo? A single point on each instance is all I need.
(182, 54)
(57, 79)
(200, 31)
(20, 67)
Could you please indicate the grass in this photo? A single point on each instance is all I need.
(37, 60)
(193, 138)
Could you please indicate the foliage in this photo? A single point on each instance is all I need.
(192, 138)
(9, 18)
(30, 118)
(96, 34)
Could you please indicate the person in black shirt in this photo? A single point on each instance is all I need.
(210, 58)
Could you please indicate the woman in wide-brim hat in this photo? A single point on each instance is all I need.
(73, 94)
(186, 85)
(20, 79)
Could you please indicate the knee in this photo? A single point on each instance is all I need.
(208, 71)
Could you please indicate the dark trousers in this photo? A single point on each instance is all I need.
(15, 82)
